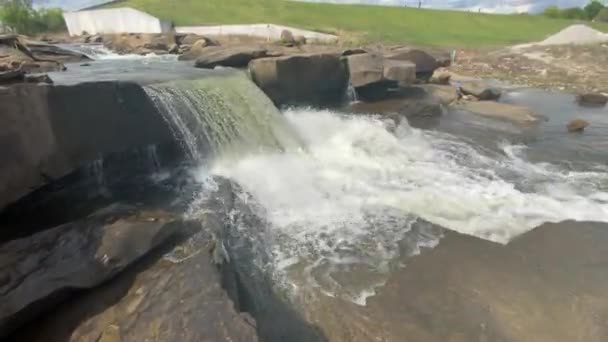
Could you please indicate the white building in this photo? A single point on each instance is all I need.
(114, 20)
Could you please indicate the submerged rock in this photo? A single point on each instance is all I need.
(577, 125)
(592, 100)
(516, 114)
(480, 90)
(39, 270)
(313, 79)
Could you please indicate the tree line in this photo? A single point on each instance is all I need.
(594, 10)
(21, 17)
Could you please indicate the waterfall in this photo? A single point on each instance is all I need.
(221, 114)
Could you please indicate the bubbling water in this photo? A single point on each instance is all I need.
(345, 203)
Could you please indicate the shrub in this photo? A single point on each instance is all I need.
(602, 16)
(553, 12)
(22, 18)
(574, 13)
(592, 9)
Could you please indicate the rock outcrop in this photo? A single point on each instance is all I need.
(313, 79)
(226, 56)
(373, 76)
(139, 43)
(49, 131)
(425, 63)
(19, 53)
(37, 271)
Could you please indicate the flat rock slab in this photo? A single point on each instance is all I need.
(548, 285)
(38, 270)
(508, 112)
(166, 297)
(235, 57)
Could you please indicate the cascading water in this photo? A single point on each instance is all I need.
(223, 114)
(341, 194)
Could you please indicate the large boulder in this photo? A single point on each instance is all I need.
(235, 57)
(592, 100)
(425, 63)
(373, 76)
(480, 90)
(287, 38)
(313, 79)
(503, 111)
(50, 131)
(37, 271)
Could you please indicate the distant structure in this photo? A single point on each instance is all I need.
(114, 20)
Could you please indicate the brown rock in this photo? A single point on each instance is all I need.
(191, 38)
(355, 51)
(440, 76)
(136, 43)
(577, 125)
(592, 100)
(300, 40)
(403, 72)
(445, 93)
(313, 79)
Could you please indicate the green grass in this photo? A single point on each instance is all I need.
(368, 23)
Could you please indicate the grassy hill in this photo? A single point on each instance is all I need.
(367, 23)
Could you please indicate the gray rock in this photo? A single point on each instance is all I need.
(445, 93)
(313, 79)
(38, 270)
(592, 100)
(365, 69)
(480, 91)
(287, 38)
(236, 57)
(403, 72)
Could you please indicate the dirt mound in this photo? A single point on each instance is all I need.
(574, 34)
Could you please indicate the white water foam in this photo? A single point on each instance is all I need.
(347, 201)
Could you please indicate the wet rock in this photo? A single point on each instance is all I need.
(411, 102)
(235, 57)
(38, 78)
(480, 90)
(516, 114)
(12, 76)
(425, 63)
(196, 49)
(592, 100)
(50, 131)
(313, 79)
(39, 270)
(173, 49)
(577, 125)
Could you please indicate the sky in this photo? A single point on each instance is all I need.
(494, 6)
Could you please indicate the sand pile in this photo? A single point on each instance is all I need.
(574, 34)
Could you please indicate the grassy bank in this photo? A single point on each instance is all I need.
(368, 23)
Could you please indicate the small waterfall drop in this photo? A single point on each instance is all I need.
(221, 114)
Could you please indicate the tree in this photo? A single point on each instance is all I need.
(602, 16)
(553, 12)
(22, 18)
(592, 9)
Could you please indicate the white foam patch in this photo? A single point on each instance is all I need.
(356, 190)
